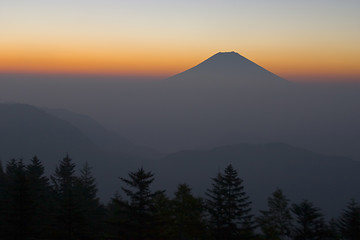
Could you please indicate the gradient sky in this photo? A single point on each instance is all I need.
(294, 39)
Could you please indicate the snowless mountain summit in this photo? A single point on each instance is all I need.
(230, 68)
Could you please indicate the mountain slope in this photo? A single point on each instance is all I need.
(226, 93)
(26, 131)
(328, 181)
(229, 99)
(108, 141)
(212, 104)
(229, 68)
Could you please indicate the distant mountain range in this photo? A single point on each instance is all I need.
(328, 181)
(26, 131)
(227, 101)
(224, 100)
(108, 141)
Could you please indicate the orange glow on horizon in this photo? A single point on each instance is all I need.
(144, 62)
(82, 62)
(163, 38)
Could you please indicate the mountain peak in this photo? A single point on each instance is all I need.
(229, 68)
(232, 59)
(227, 53)
(231, 54)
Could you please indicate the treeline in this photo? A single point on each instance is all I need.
(65, 206)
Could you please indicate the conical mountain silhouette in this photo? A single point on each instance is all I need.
(231, 68)
(224, 94)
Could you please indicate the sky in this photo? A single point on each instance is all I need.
(295, 39)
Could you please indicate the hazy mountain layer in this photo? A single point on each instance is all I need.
(226, 99)
(328, 181)
(108, 141)
(26, 131)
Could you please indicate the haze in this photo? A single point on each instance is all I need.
(185, 90)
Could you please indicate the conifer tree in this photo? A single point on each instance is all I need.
(91, 209)
(88, 183)
(188, 214)
(41, 198)
(164, 217)
(215, 206)
(69, 219)
(117, 219)
(276, 222)
(64, 178)
(18, 204)
(333, 230)
(349, 221)
(309, 222)
(229, 207)
(2, 177)
(140, 209)
(2, 200)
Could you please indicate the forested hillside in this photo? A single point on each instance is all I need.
(66, 206)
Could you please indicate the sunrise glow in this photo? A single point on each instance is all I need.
(161, 39)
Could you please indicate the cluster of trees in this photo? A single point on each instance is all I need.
(33, 206)
(65, 206)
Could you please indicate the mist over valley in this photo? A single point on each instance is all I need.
(188, 127)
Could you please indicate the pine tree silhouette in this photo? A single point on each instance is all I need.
(229, 207)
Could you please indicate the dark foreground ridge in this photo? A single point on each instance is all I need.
(66, 206)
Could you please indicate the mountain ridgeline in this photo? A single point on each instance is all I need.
(226, 69)
(224, 100)
(227, 101)
(302, 174)
(27, 131)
